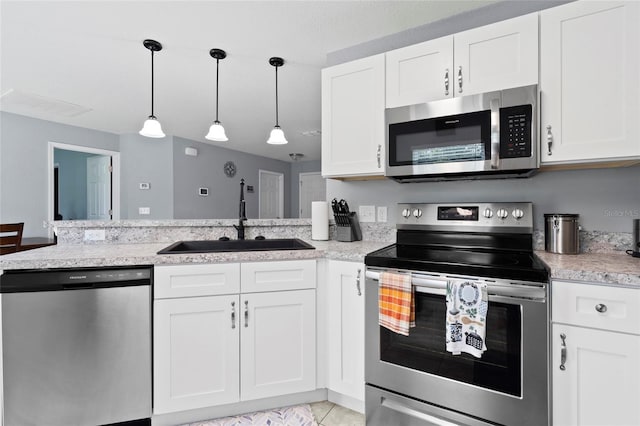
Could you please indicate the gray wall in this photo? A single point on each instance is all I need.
(606, 199)
(146, 160)
(466, 20)
(23, 165)
(297, 168)
(207, 170)
(72, 183)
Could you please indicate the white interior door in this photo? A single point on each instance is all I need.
(271, 202)
(99, 187)
(312, 187)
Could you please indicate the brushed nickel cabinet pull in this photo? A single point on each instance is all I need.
(549, 140)
(233, 314)
(446, 82)
(379, 155)
(459, 79)
(563, 352)
(358, 282)
(246, 313)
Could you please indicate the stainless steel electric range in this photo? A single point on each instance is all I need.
(413, 380)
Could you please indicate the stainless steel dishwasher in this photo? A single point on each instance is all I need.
(76, 346)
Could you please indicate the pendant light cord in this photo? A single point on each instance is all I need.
(152, 115)
(276, 96)
(217, 72)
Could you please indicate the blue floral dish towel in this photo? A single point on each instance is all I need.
(467, 304)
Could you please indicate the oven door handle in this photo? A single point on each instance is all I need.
(420, 284)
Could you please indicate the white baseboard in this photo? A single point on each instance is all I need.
(346, 401)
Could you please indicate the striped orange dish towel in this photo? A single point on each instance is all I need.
(396, 303)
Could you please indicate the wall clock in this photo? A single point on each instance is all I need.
(230, 169)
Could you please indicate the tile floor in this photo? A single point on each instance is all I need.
(330, 414)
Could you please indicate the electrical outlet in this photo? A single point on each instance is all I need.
(382, 213)
(144, 210)
(94, 235)
(367, 213)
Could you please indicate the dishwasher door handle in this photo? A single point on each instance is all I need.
(77, 286)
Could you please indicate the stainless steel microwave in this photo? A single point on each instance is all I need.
(488, 135)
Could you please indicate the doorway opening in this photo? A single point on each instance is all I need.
(84, 183)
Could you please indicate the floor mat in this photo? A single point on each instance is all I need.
(298, 415)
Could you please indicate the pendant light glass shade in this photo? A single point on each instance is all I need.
(277, 135)
(216, 131)
(152, 127)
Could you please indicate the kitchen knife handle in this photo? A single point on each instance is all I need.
(233, 314)
(446, 82)
(358, 282)
(460, 79)
(563, 352)
(379, 155)
(246, 313)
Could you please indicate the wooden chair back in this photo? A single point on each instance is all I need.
(10, 237)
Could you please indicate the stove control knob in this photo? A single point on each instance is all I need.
(488, 213)
(517, 213)
(417, 213)
(406, 213)
(502, 213)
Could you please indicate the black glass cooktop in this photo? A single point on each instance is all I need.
(506, 264)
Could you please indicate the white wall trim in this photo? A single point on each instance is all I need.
(115, 184)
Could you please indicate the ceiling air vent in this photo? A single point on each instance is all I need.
(22, 102)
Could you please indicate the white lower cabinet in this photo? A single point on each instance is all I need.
(196, 353)
(222, 349)
(345, 341)
(278, 342)
(596, 371)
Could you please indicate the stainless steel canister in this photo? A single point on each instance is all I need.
(561, 233)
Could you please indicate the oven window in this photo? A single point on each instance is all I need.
(424, 349)
(464, 137)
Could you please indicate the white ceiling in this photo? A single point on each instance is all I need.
(90, 53)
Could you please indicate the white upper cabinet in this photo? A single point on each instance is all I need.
(497, 56)
(353, 118)
(590, 82)
(492, 57)
(420, 72)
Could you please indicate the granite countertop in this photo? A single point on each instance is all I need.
(95, 255)
(605, 268)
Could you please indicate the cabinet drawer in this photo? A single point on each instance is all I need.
(604, 307)
(196, 280)
(276, 276)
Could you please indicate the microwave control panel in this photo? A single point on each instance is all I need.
(515, 131)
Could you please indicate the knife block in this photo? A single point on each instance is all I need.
(347, 227)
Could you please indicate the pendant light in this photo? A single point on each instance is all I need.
(277, 135)
(151, 127)
(216, 131)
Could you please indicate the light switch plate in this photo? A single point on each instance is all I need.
(144, 210)
(94, 235)
(382, 213)
(367, 213)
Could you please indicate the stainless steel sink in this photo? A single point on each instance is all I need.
(217, 246)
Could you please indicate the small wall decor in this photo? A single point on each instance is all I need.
(230, 169)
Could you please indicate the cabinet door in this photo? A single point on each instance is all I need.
(353, 118)
(278, 339)
(196, 353)
(195, 280)
(420, 73)
(496, 56)
(601, 381)
(345, 289)
(590, 81)
(278, 276)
